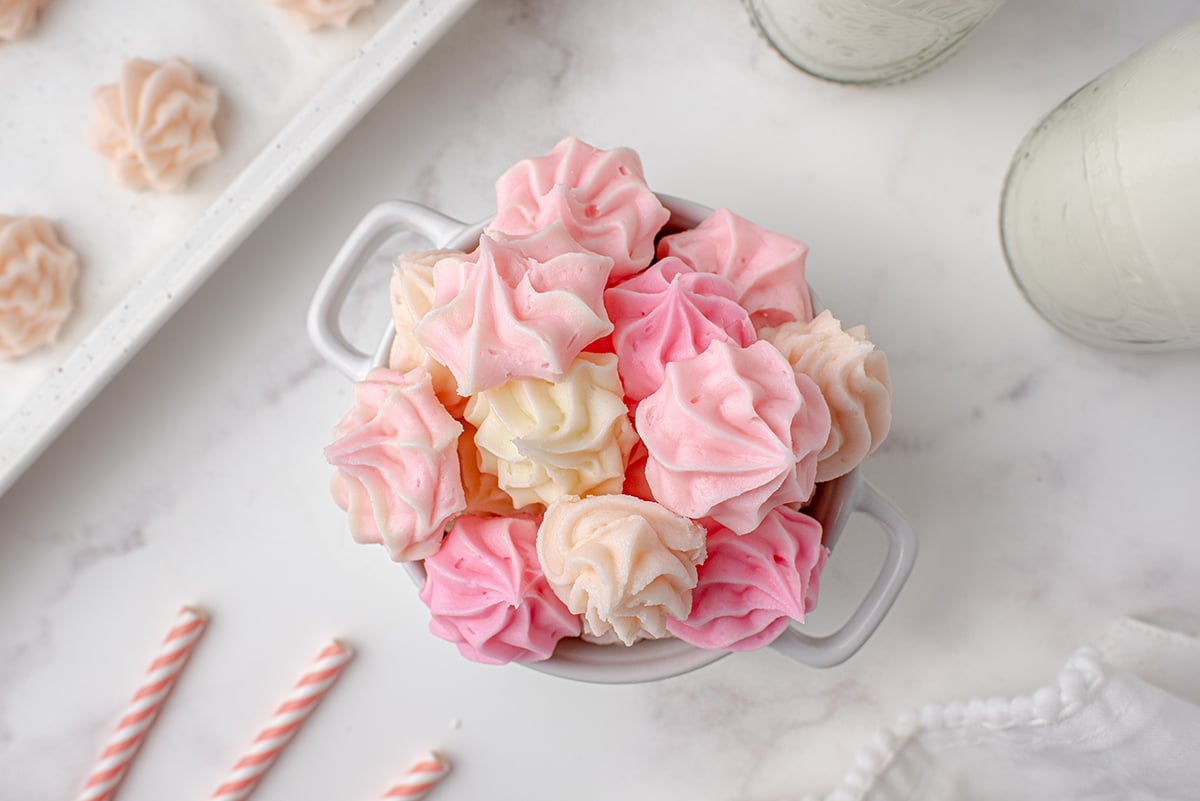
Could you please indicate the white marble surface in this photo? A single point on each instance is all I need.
(1052, 484)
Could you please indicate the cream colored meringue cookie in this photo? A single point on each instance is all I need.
(37, 274)
(854, 380)
(313, 14)
(625, 564)
(17, 17)
(155, 124)
(544, 439)
(412, 298)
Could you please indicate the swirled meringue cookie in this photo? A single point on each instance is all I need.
(482, 489)
(37, 276)
(487, 594)
(505, 315)
(854, 380)
(544, 439)
(412, 298)
(752, 585)
(600, 196)
(396, 454)
(766, 268)
(732, 434)
(312, 14)
(625, 564)
(17, 17)
(670, 313)
(155, 124)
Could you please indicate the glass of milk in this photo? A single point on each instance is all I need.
(1100, 216)
(868, 41)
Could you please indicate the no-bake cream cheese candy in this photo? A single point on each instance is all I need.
(396, 453)
(37, 277)
(412, 298)
(625, 564)
(155, 124)
(17, 17)
(544, 439)
(854, 380)
(732, 434)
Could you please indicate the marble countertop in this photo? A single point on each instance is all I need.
(1050, 483)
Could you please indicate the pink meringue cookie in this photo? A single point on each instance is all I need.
(412, 297)
(732, 434)
(506, 315)
(488, 596)
(752, 585)
(670, 313)
(396, 452)
(600, 196)
(766, 268)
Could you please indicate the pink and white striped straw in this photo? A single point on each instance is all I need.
(419, 779)
(143, 709)
(284, 724)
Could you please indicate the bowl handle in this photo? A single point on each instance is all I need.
(835, 648)
(381, 224)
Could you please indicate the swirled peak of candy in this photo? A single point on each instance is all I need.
(396, 454)
(506, 315)
(599, 196)
(732, 434)
(766, 268)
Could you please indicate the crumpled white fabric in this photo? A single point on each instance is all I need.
(1121, 723)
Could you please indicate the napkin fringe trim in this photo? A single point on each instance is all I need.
(1077, 682)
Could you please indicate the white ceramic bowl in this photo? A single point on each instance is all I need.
(647, 660)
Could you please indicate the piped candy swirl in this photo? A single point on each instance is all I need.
(488, 596)
(501, 314)
(599, 196)
(396, 454)
(732, 434)
(543, 439)
(670, 313)
(766, 268)
(625, 564)
(854, 380)
(752, 585)
(37, 277)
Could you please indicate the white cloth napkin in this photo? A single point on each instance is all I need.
(1121, 723)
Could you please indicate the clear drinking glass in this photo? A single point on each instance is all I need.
(1100, 216)
(868, 41)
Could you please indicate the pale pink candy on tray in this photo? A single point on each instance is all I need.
(396, 454)
(411, 292)
(488, 596)
(766, 268)
(37, 276)
(854, 380)
(155, 124)
(753, 585)
(17, 17)
(312, 14)
(600, 196)
(670, 313)
(625, 564)
(506, 315)
(732, 434)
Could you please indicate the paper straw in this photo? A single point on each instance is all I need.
(284, 724)
(143, 709)
(419, 779)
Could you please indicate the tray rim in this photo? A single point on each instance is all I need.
(278, 168)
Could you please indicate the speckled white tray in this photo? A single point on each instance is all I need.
(287, 96)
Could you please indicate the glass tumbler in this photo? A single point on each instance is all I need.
(868, 41)
(1100, 216)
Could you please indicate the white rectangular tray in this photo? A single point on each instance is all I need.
(287, 96)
